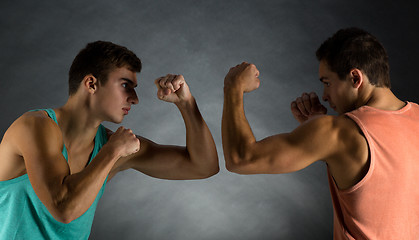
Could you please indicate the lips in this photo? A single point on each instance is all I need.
(126, 110)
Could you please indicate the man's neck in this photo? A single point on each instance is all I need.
(77, 124)
(384, 99)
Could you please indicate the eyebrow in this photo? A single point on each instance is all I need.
(130, 82)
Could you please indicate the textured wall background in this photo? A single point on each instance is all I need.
(201, 40)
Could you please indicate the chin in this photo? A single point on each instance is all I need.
(117, 120)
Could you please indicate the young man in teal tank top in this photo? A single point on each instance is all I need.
(372, 162)
(54, 164)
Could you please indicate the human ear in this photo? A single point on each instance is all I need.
(90, 83)
(357, 77)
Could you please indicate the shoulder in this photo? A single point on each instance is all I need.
(339, 134)
(33, 126)
(343, 135)
(35, 121)
(338, 124)
(344, 128)
(328, 125)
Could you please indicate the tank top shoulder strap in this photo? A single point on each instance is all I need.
(100, 139)
(50, 113)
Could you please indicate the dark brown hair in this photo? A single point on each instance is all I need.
(355, 48)
(99, 58)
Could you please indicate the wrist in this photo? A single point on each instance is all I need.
(231, 92)
(186, 103)
(231, 87)
(114, 153)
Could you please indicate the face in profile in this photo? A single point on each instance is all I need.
(340, 93)
(117, 95)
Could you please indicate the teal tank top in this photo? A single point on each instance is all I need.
(24, 216)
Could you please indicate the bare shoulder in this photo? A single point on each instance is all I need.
(35, 122)
(325, 128)
(339, 127)
(336, 136)
(36, 127)
(17, 138)
(349, 132)
(351, 162)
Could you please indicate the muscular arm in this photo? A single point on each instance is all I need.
(66, 196)
(282, 153)
(314, 140)
(195, 161)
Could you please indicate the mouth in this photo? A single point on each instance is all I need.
(126, 110)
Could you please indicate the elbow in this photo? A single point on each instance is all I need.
(63, 210)
(236, 164)
(240, 159)
(64, 219)
(234, 168)
(204, 167)
(63, 214)
(211, 170)
(214, 169)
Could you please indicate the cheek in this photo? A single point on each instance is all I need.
(108, 101)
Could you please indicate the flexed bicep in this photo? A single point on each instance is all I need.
(290, 152)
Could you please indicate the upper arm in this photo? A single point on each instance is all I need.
(39, 141)
(312, 141)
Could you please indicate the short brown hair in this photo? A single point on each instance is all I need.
(355, 48)
(99, 58)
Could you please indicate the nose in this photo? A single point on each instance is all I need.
(133, 98)
(325, 96)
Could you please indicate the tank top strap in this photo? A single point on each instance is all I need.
(49, 111)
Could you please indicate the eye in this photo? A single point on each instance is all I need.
(124, 85)
(327, 84)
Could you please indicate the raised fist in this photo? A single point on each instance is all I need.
(244, 76)
(172, 88)
(306, 107)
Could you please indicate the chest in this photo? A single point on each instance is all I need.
(78, 159)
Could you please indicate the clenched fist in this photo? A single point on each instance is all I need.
(124, 142)
(306, 107)
(172, 88)
(244, 77)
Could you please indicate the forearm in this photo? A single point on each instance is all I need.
(200, 144)
(78, 191)
(237, 135)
